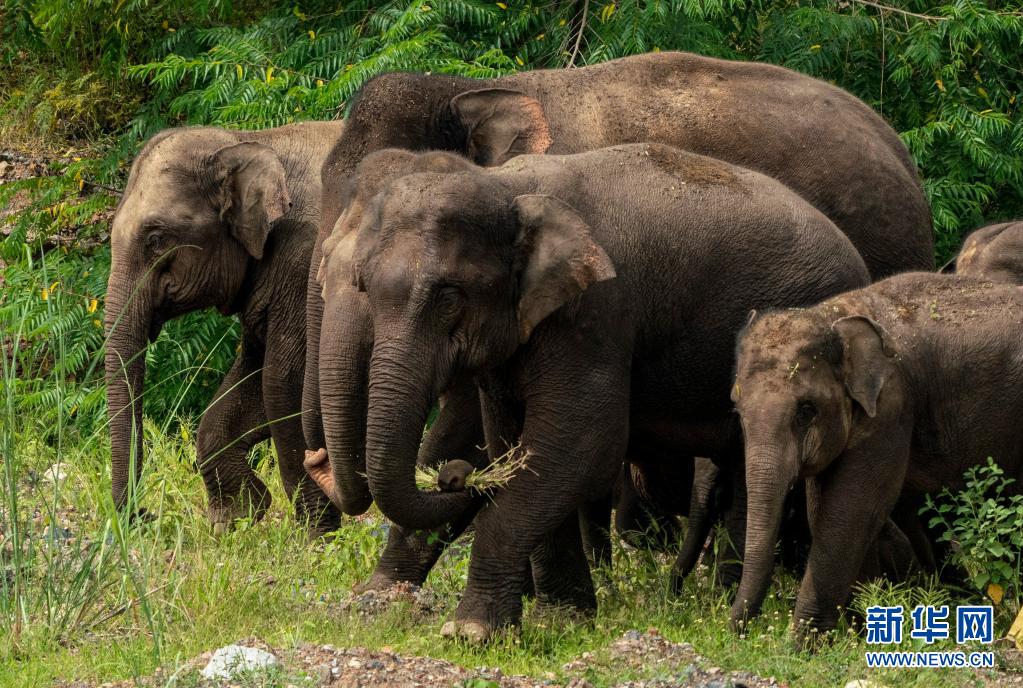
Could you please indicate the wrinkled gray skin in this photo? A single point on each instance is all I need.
(595, 299)
(994, 252)
(817, 139)
(896, 389)
(213, 218)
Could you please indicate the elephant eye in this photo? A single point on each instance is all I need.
(157, 242)
(806, 412)
(449, 303)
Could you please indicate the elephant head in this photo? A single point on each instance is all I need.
(804, 382)
(458, 272)
(994, 252)
(346, 335)
(197, 210)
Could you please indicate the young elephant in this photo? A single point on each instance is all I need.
(595, 298)
(994, 252)
(213, 218)
(896, 388)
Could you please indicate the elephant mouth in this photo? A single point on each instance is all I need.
(155, 326)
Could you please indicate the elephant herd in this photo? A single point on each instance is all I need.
(667, 283)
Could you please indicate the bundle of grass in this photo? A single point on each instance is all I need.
(459, 475)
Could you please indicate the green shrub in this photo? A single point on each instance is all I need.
(983, 524)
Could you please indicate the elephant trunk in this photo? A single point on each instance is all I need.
(346, 345)
(401, 393)
(770, 473)
(129, 324)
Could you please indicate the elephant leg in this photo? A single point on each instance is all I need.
(457, 432)
(282, 394)
(231, 426)
(850, 504)
(703, 513)
(577, 445)
(654, 486)
(595, 527)
(561, 571)
(410, 555)
(730, 552)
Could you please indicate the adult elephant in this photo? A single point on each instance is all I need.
(819, 140)
(213, 218)
(595, 298)
(994, 252)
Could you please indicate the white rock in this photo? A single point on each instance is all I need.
(55, 474)
(232, 659)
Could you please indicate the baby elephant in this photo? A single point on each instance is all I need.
(897, 388)
(994, 252)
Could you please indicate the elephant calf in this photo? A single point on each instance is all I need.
(595, 298)
(994, 252)
(895, 389)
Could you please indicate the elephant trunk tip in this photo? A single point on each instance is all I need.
(317, 465)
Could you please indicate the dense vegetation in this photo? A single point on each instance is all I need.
(82, 84)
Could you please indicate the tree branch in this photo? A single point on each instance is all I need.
(579, 33)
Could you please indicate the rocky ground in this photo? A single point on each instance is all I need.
(648, 653)
(655, 661)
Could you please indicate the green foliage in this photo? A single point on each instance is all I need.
(944, 73)
(983, 524)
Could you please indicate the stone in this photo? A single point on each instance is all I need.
(232, 659)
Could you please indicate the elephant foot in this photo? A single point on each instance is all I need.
(254, 501)
(378, 582)
(473, 632)
(317, 465)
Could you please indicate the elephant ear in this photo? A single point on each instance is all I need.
(558, 258)
(252, 191)
(866, 350)
(501, 124)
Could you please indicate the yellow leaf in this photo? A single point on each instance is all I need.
(312, 35)
(815, 48)
(519, 60)
(1016, 630)
(164, 24)
(540, 37)
(269, 74)
(184, 432)
(93, 304)
(657, 49)
(995, 592)
(502, 5)
(45, 295)
(238, 71)
(940, 84)
(561, 22)
(96, 322)
(982, 91)
(608, 10)
(319, 83)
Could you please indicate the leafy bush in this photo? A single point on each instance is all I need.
(983, 524)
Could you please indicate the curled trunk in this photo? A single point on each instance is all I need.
(401, 392)
(769, 475)
(129, 326)
(346, 346)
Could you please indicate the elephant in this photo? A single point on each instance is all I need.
(213, 218)
(819, 140)
(595, 299)
(994, 252)
(889, 391)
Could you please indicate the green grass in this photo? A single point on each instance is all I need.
(122, 599)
